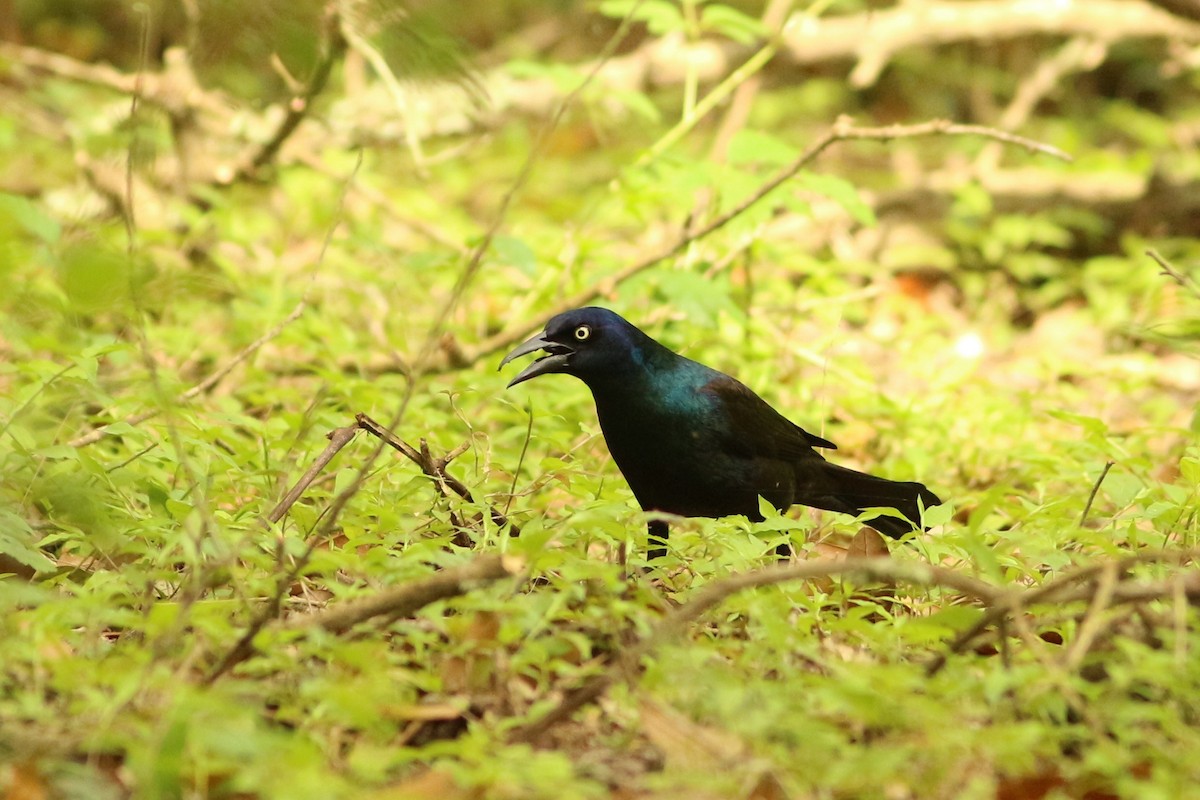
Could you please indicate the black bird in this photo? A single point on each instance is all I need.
(695, 442)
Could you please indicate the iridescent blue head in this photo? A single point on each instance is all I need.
(590, 343)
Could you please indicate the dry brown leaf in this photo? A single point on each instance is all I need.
(1028, 787)
(26, 783)
(432, 784)
(825, 548)
(483, 627)
(867, 543)
(686, 745)
(918, 284)
(767, 787)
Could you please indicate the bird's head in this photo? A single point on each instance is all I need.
(588, 343)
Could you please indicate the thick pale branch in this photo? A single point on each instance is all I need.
(872, 39)
(174, 89)
(1188, 9)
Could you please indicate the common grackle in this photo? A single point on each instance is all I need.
(695, 442)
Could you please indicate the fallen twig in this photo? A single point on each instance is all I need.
(403, 601)
(244, 646)
(338, 438)
(396, 602)
(1074, 586)
(1003, 607)
(393, 601)
(434, 467)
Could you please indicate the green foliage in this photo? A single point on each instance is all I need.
(1023, 358)
(662, 17)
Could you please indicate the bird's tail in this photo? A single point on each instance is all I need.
(852, 492)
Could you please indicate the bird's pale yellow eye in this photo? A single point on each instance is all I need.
(583, 332)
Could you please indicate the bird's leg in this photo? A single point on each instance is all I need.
(659, 530)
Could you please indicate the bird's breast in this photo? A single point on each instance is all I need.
(676, 458)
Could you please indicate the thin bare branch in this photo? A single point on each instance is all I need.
(333, 46)
(512, 489)
(434, 467)
(842, 130)
(1168, 269)
(1080, 54)
(338, 438)
(243, 648)
(208, 383)
(1087, 507)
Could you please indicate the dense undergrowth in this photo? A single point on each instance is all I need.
(176, 344)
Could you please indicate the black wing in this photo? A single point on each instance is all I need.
(758, 429)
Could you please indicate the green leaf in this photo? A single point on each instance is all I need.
(841, 192)
(119, 428)
(1095, 427)
(345, 477)
(513, 251)
(1189, 468)
(701, 298)
(939, 515)
(1122, 487)
(564, 77)
(30, 217)
(660, 16)
(757, 147)
(767, 510)
(16, 541)
(95, 278)
(637, 102)
(732, 24)
(178, 509)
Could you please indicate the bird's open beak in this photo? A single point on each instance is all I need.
(555, 359)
